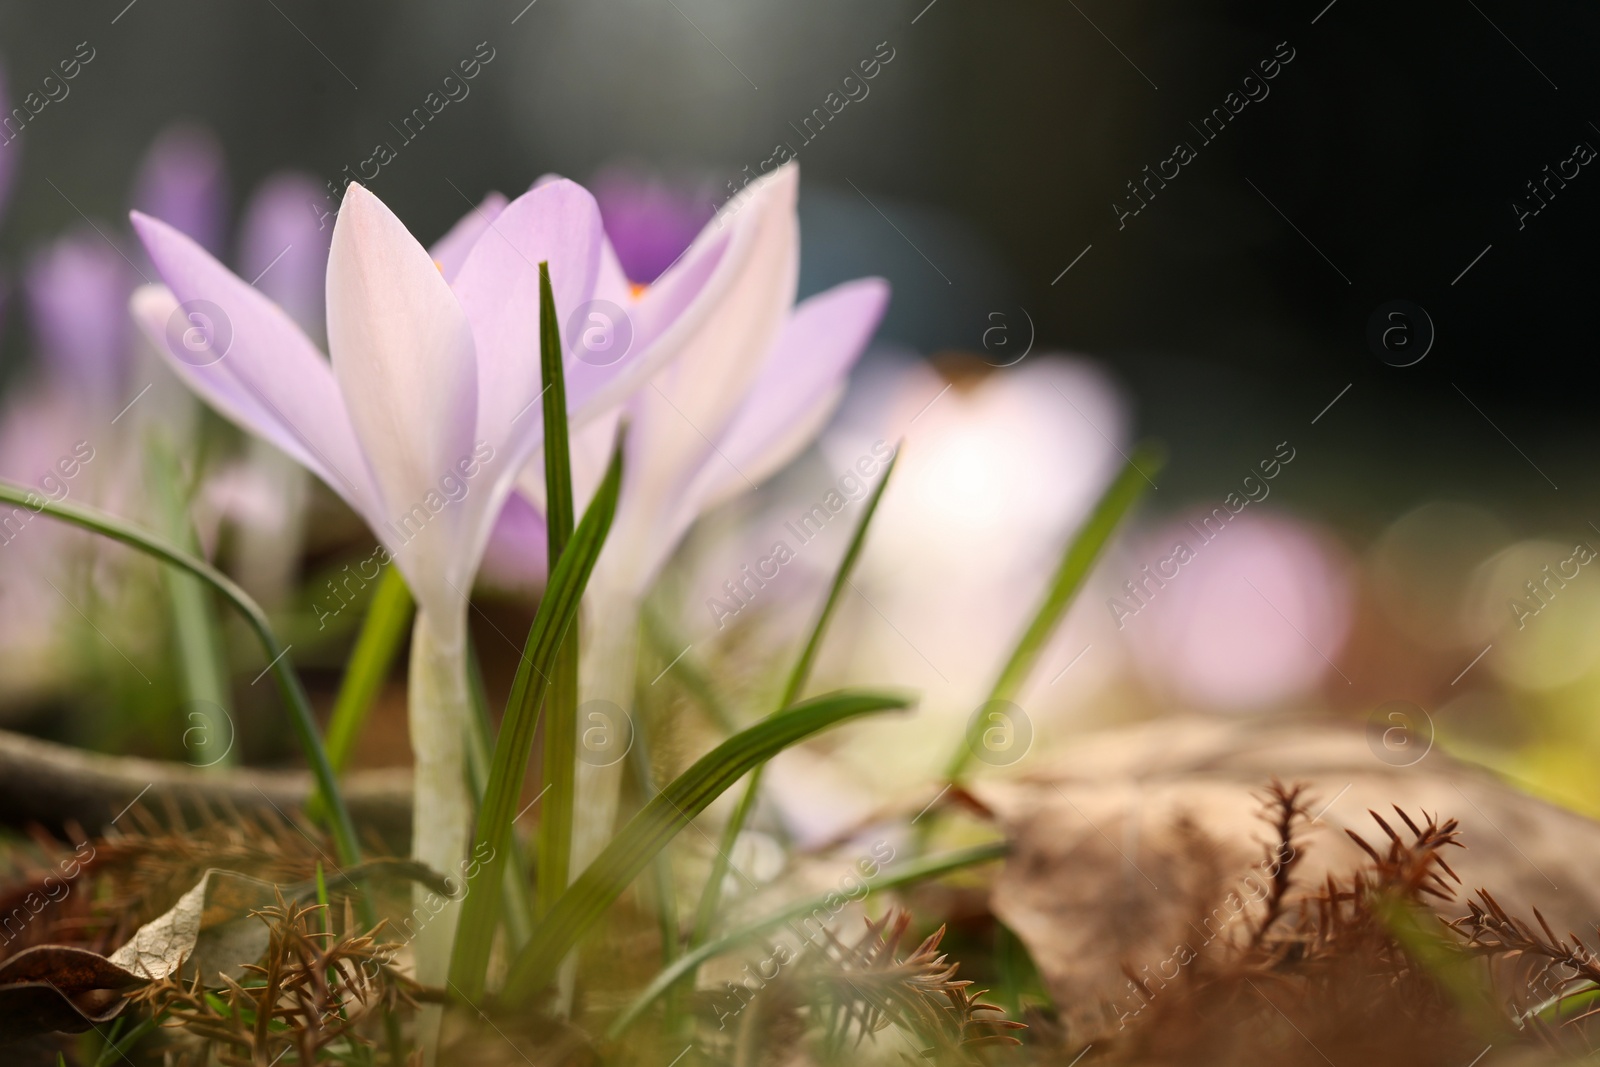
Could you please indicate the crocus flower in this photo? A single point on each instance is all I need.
(428, 409)
(78, 288)
(64, 429)
(184, 180)
(757, 380)
(283, 246)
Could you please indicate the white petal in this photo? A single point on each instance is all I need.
(403, 355)
(799, 387)
(671, 315)
(691, 403)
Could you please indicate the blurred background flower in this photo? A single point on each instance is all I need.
(651, 220)
(1255, 621)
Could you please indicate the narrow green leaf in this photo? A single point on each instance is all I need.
(201, 663)
(841, 577)
(293, 693)
(705, 915)
(661, 888)
(1076, 562)
(559, 513)
(559, 757)
(383, 631)
(557, 611)
(917, 871)
(667, 813)
(711, 895)
(518, 913)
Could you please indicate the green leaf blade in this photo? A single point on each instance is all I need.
(383, 631)
(557, 612)
(201, 663)
(1077, 561)
(711, 895)
(664, 816)
(293, 693)
(558, 760)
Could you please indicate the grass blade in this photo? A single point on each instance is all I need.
(660, 820)
(920, 870)
(518, 912)
(662, 894)
(561, 702)
(383, 631)
(808, 655)
(194, 616)
(1076, 562)
(293, 693)
(124, 1045)
(711, 895)
(557, 611)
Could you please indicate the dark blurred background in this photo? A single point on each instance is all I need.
(985, 160)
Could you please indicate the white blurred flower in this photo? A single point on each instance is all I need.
(996, 474)
(994, 477)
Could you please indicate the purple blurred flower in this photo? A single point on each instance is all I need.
(77, 289)
(183, 180)
(283, 247)
(649, 221)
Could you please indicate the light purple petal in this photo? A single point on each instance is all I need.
(799, 387)
(692, 401)
(283, 246)
(450, 251)
(658, 320)
(403, 355)
(672, 313)
(498, 286)
(183, 181)
(270, 378)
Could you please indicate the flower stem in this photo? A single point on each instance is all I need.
(440, 711)
(606, 673)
